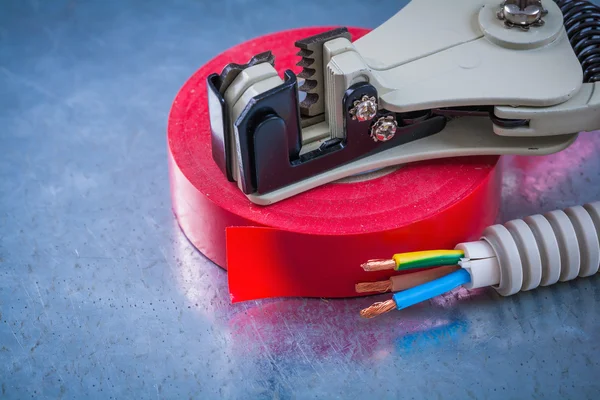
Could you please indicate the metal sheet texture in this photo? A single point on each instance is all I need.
(102, 296)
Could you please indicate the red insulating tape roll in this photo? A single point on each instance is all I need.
(313, 244)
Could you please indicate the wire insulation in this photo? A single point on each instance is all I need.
(431, 289)
(405, 281)
(426, 259)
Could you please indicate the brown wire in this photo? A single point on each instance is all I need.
(378, 309)
(405, 281)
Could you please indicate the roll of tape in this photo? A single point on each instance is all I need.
(313, 244)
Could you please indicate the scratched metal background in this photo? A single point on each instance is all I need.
(101, 296)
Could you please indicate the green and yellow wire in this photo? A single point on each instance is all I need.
(415, 260)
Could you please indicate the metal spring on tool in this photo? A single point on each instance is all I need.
(582, 23)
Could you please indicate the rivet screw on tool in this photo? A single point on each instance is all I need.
(522, 13)
(384, 129)
(364, 109)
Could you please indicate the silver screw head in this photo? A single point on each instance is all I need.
(384, 129)
(364, 109)
(522, 13)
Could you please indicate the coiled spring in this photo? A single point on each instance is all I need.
(582, 23)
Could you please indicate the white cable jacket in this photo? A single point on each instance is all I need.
(538, 250)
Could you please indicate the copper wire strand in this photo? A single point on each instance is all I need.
(378, 265)
(380, 286)
(378, 308)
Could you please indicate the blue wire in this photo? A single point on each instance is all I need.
(429, 290)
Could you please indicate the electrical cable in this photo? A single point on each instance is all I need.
(415, 260)
(419, 293)
(405, 281)
(520, 255)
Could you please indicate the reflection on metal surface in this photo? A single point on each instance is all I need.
(285, 325)
(197, 279)
(438, 333)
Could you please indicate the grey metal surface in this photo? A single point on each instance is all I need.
(101, 296)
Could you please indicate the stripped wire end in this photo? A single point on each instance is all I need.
(369, 287)
(378, 308)
(378, 265)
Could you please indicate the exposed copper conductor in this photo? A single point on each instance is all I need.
(367, 287)
(378, 309)
(378, 265)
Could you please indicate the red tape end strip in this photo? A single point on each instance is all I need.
(313, 244)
